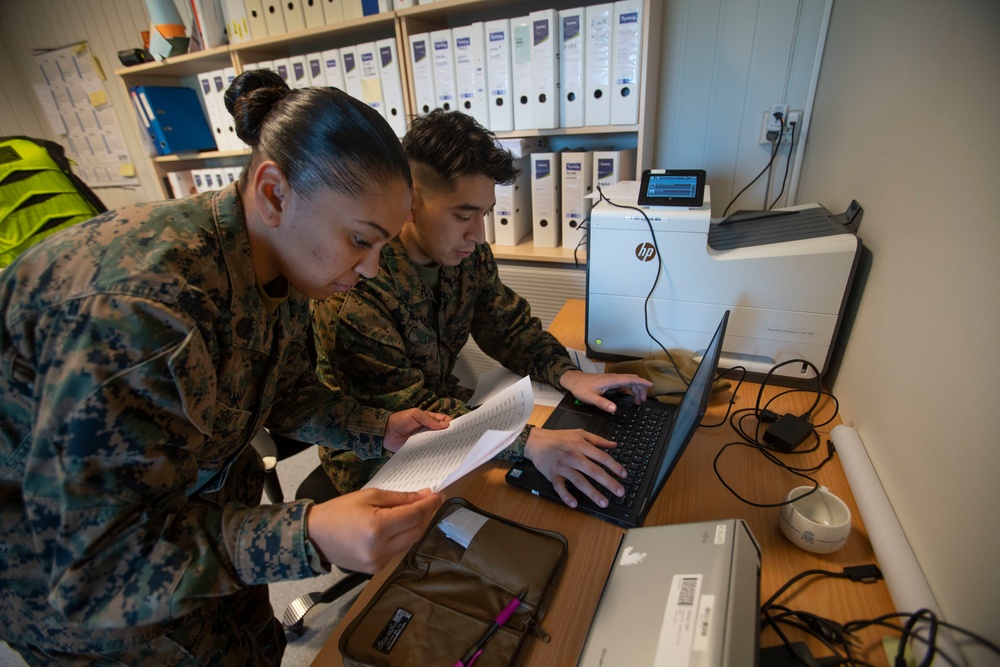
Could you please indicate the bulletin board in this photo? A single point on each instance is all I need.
(77, 108)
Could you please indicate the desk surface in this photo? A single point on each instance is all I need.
(693, 493)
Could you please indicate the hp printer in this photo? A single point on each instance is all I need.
(665, 281)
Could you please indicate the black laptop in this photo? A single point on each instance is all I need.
(651, 438)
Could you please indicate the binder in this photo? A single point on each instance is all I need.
(512, 211)
(577, 184)
(225, 132)
(392, 85)
(206, 88)
(174, 118)
(498, 75)
(520, 56)
(545, 199)
(611, 166)
(470, 71)
(333, 11)
(351, 67)
(237, 21)
(571, 67)
(444, 69)
(333, 69)
(274, 17)
(423, 73)
(597, 67)
(199, 177)
(545, 68)
(626, 62)
(491, 235)
(295, 18)
(312, 10)
(299, 72)
(371, 84)
(352, 9)
(314, 66)
(372, 7)
(233, 173)
(210, 23)
(232, 142)
(255, 18)
(181, 184)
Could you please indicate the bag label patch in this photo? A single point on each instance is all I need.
(392, 631)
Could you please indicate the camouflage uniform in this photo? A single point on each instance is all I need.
(137, 360)
(392, 354)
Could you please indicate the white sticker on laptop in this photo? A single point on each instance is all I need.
(680, 621)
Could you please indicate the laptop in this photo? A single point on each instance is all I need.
(685, 595)
(664, 437)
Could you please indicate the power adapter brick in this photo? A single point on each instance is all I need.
(787, 433)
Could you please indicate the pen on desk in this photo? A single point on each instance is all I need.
(470, 656)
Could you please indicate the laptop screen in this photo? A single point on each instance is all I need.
(693, 405)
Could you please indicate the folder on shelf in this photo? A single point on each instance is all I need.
(174, 118)
(372, 7)
(571, 67)
(351, 67)
(284, 69)
(512, 211)
(545, 199)
(520, 56)
(444, 69)
(206, 88)
(312, 10)
(333, 11)
(577, 185)
(392, 85)
(299, 72)
(333, 69)
(498, 75)
(315, 69)
(352, 9)
(598, 50)
(209, 23)
(237, 21)
(491, 236)
(198, 178)
(545, 68)
(274, 17)
(295, 18)
(470, 71)
(626, 62)
(181, 184)
(231, 142)
(422, 66)
(233, 173)
(371, 84)
(255, 18)
(612, 166)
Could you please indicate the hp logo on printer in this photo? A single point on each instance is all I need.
(645, 252)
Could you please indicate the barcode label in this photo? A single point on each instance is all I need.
(680, 629)
(688, 591)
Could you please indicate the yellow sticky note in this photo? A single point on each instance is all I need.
(371, 89)
(126, 170)
(98, 98)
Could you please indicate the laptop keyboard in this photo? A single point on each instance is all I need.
(635, 428)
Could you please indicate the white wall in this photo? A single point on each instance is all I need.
(906, 122)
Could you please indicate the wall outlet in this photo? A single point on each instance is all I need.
(771, 125)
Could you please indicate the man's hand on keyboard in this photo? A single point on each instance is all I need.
(590, 387)
(578, 458)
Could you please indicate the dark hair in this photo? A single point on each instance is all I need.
(317, 136)
(443, 145)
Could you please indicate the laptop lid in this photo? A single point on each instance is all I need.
(678, 430)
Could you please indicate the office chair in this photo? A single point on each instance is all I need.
(317, 486)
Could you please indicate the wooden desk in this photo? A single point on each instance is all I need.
(693, 493)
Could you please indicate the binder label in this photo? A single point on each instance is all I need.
(419, 50)
(605, 167)
(542, 168)
(497, 36)
(629, 17)
(386, 54)
(571, 27)
(349, 63)
(463, 42)
(541, 31)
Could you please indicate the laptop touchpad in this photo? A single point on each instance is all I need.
(570, 419)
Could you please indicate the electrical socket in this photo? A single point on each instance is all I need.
(789, 116)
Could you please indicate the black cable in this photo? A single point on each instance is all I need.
(788, 162)
(732, 399)
(774, 152)
(584, 239)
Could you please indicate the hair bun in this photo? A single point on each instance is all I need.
(249, 99)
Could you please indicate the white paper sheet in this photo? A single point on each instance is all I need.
(435, 459)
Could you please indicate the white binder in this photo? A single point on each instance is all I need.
(444, 69)
(314, 66)
(298, 72)
(351, 67)
(295, 18)
(520, 56)
(392, 85)
(233, 143)
(498, 75)
(181, 184)
(233, 173)
(611, 166)
(312, 10)
(598, 51)
(626, 62)
(255, 18)
(371, 84)
(274, 17)
(545, 68)
(577, 184)
(206, 87)
(333, 11)
(333, 69)
(545, 200)
(237, 21)
(491, 235)
(202, 179)
(571, 67)
(470, 71)
(421, 60)
(512, 211)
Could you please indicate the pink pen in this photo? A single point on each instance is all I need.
(477, 648)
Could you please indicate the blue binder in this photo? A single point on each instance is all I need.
(174, 118)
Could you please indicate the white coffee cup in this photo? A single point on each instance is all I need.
(819, 522)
